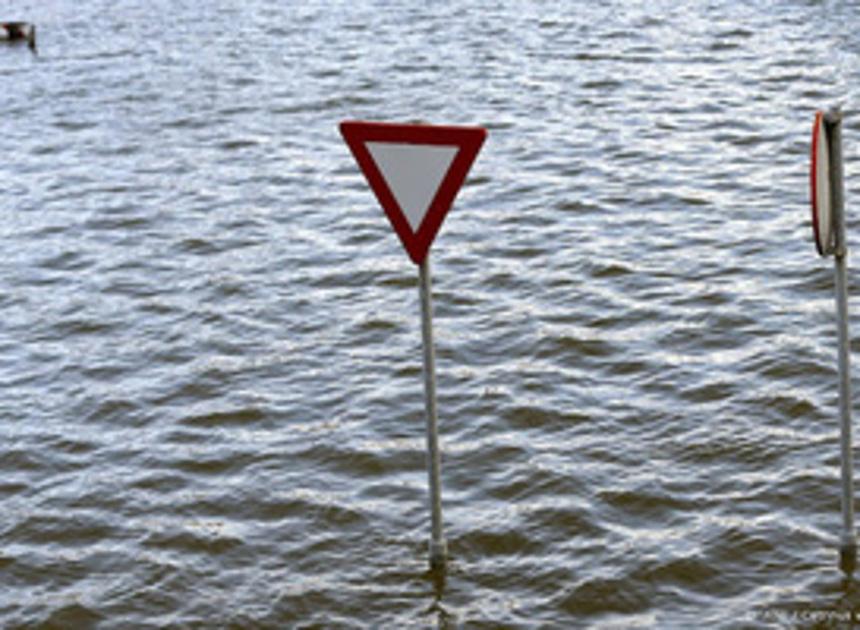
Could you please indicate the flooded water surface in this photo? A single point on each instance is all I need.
(212, 406)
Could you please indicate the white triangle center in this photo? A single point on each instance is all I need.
(414, 173)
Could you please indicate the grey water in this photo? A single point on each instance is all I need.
(211, 403)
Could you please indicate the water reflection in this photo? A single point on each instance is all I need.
(438, 578)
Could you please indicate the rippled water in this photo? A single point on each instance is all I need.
(212, 406)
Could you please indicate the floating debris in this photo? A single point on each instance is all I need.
(19, 32)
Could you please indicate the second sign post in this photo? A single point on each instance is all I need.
(828, 223)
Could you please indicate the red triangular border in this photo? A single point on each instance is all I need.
(468, 139)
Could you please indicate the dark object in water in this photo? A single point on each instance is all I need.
(19, 32)
(848, 559)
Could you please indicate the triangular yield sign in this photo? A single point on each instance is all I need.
(415, 171)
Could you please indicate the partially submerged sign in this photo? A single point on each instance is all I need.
(828, 223)
(415, 171)
(821, 187)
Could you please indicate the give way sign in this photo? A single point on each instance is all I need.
(415, 171)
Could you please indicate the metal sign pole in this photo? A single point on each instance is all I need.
(438, 547)
(848, 545)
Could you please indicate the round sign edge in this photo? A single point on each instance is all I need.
(819, 134)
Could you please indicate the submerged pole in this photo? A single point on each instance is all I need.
(848, 543)
(438, 547)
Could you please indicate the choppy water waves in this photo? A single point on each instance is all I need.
(212, 408)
